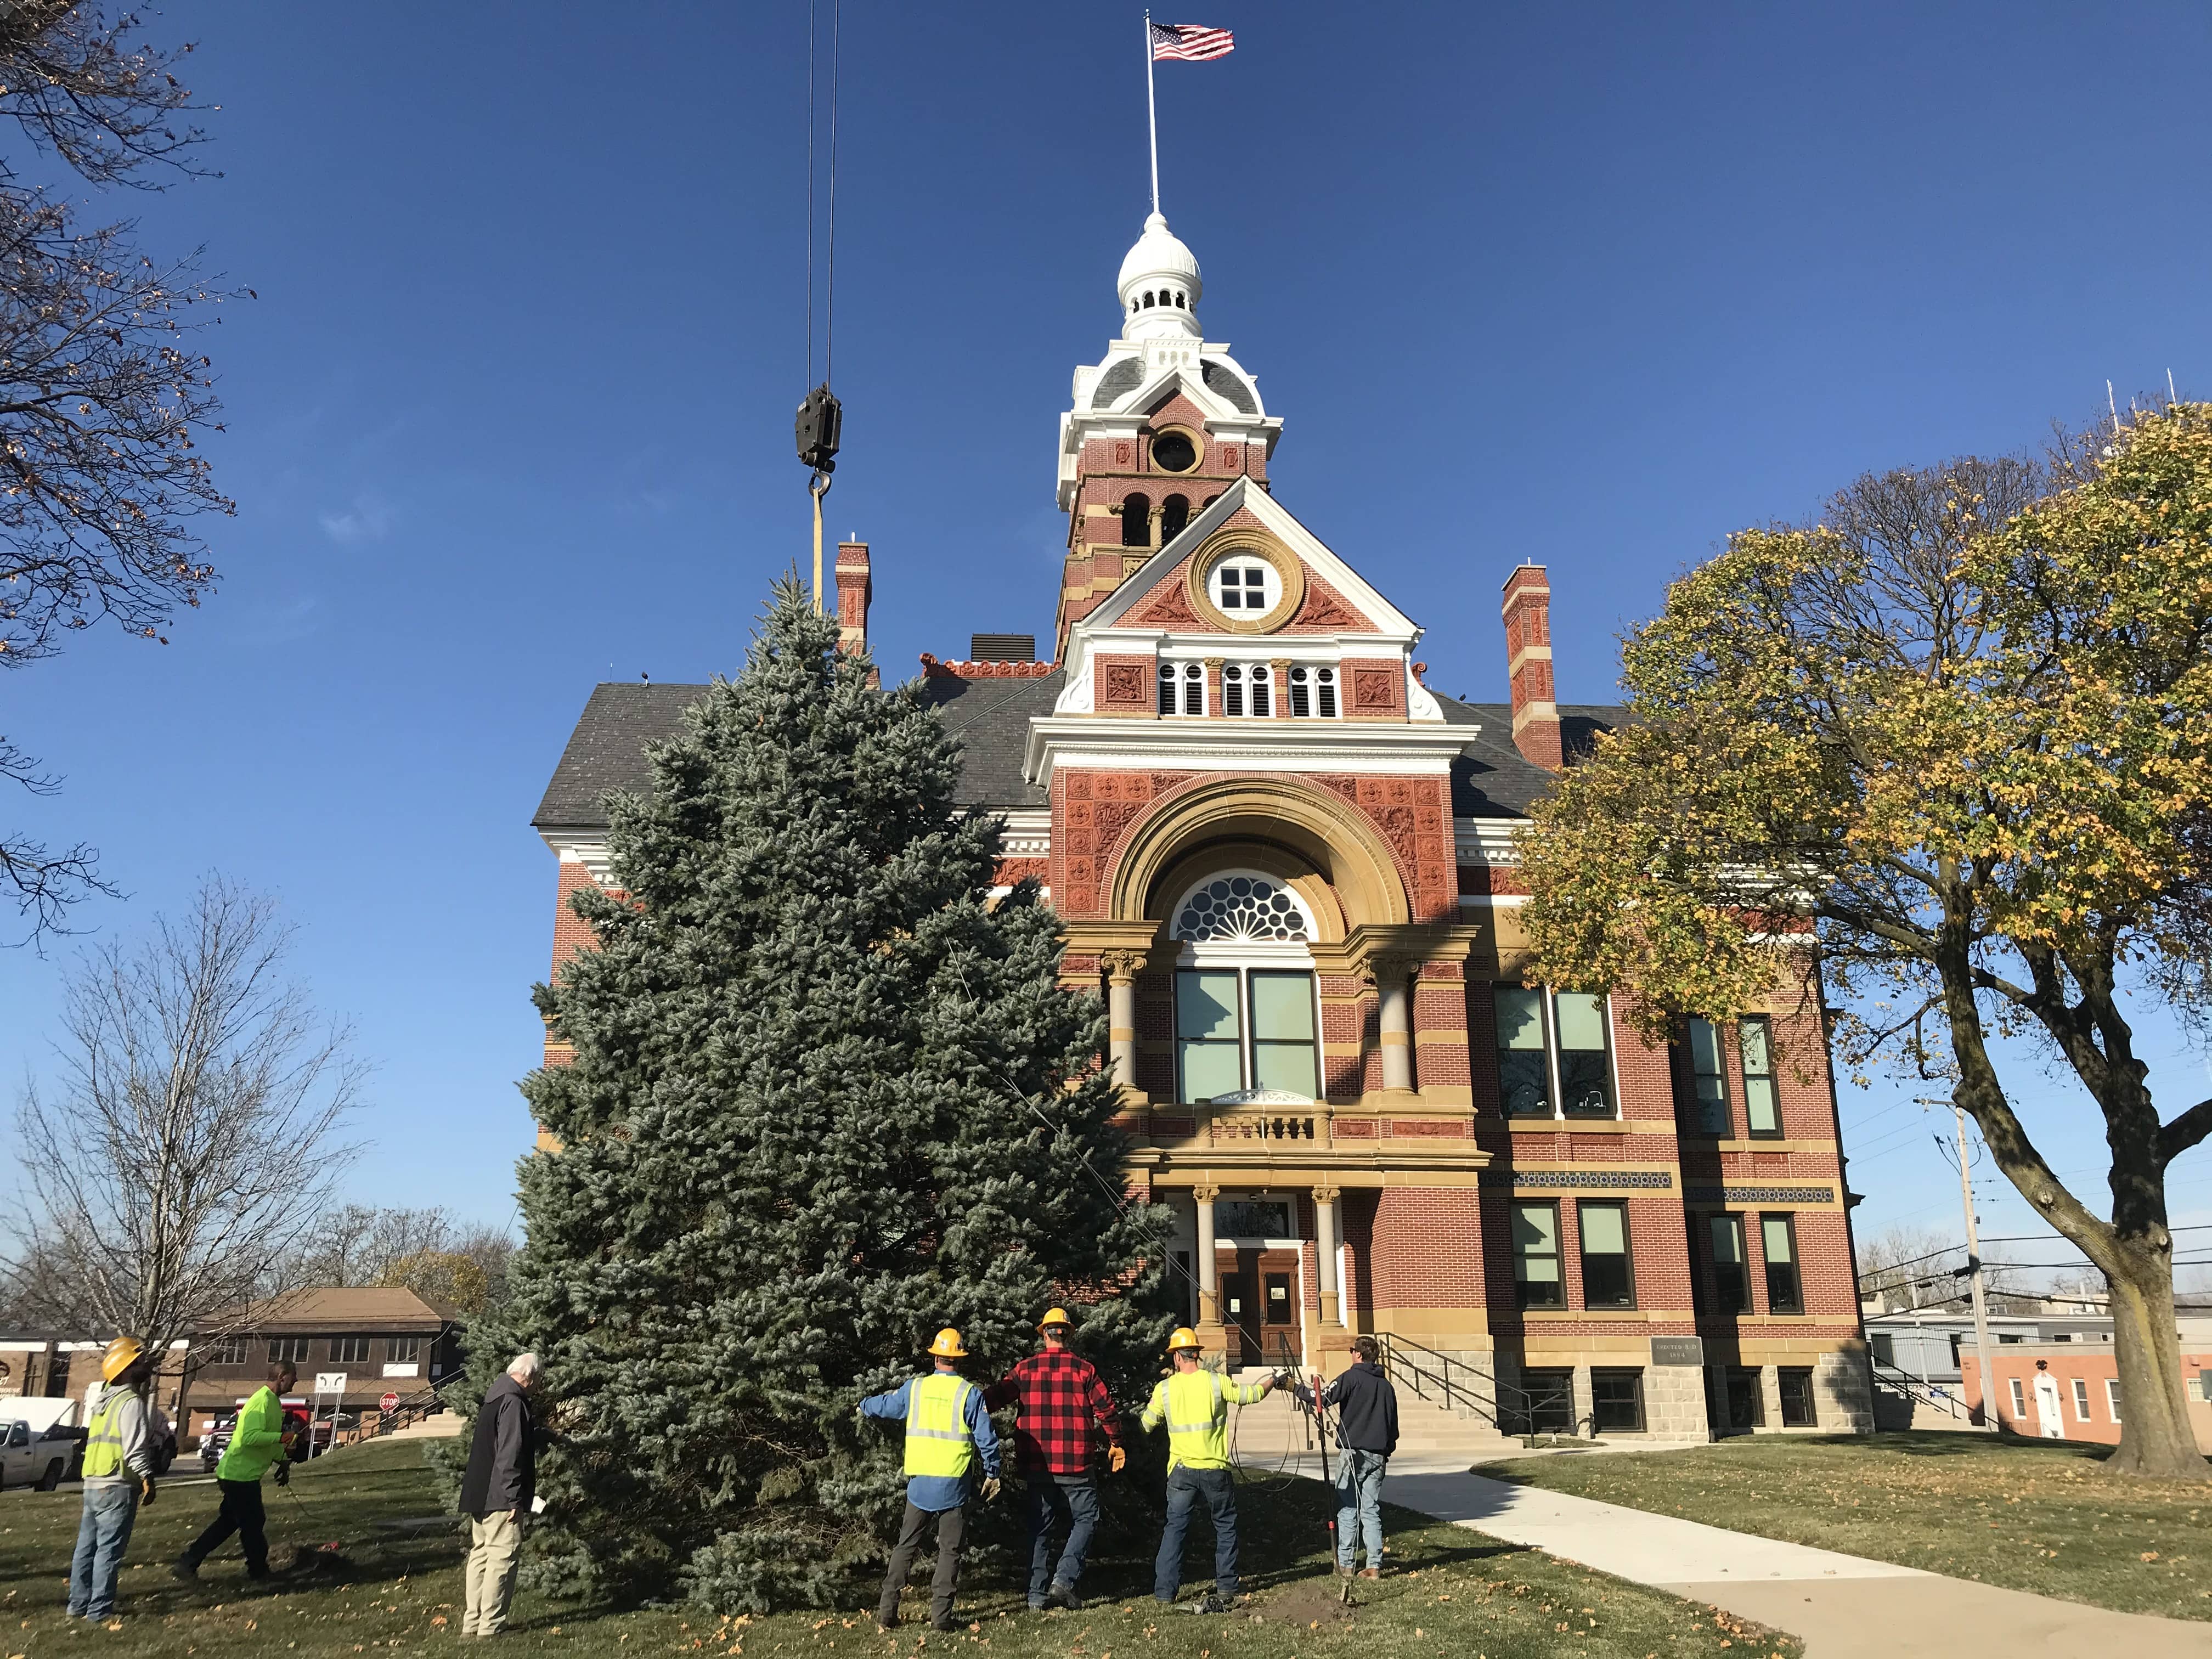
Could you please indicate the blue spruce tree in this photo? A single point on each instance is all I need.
(826, 1097)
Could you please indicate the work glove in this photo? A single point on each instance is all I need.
(284, 1474)
(1115, 1457)
(146, 1490)
(990, 1489)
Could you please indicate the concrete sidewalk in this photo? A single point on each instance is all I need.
(1844, 1606)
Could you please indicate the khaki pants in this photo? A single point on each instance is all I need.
(494, 1550)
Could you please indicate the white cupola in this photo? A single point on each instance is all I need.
(1159, 286)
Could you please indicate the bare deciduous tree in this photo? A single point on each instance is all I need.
(102, 394)
(195, 1138)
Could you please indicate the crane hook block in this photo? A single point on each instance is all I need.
(821, 420)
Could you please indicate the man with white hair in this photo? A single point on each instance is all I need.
(495, 1492)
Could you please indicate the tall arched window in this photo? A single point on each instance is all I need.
(1175, 513)
(1246, 1022)
(1136, 522)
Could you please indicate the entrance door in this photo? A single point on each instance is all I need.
(2051, 1426)
(1240, 1311)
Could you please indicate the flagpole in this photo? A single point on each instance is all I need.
(1152, 112)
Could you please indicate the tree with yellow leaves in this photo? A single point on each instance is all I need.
(1950, 754)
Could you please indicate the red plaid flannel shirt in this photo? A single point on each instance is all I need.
(1060, 1398)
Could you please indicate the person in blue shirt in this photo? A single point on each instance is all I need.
(947, 1433)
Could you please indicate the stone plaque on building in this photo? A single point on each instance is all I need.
(1678, 1350)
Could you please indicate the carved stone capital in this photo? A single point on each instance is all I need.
(1206, 1195)
(1327, 1195)
(1122, 967)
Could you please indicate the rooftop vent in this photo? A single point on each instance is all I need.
(1002, 648)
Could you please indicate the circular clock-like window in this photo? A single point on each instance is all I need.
(1244, 586)
(1174, 451)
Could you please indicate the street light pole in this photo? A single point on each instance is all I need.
(1982, 1349)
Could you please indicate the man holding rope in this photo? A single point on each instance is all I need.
(1366, 1433)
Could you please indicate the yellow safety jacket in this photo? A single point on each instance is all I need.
(938, 1441)
(1195, 1405)
(103, 1441)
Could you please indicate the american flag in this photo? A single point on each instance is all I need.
(1192, 43)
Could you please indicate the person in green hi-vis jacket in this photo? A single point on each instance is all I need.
(255, 1442)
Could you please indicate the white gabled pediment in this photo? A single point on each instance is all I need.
(1382, 618)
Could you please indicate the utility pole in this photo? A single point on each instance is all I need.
(1982, 1348)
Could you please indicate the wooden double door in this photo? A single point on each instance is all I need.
(1260, 1305)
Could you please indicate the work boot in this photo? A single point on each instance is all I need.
(1062, 1594)
(187, 1569)
(1371, 1572)
(1217, 1602)
(945, 1625)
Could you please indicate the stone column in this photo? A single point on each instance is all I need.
(1209, 1288)
(1332, 1302)
(1121, 968)
(1396, 1023)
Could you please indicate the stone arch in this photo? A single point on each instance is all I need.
(1339, 847)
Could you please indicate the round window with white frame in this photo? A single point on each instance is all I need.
(1247, 1021)
(1244, 586)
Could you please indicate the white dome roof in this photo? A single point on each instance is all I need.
(1159, 253)
(1159, 263)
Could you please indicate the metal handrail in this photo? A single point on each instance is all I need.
(1434, 1368)
(1903, 1382)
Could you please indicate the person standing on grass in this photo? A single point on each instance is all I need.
(1195, 1404)
(118, 1477)
(1366, 1433)
(1062, 1401)
(947, 1433)
(257, 1440)
(496, 1490)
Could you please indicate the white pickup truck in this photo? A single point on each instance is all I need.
(33, 1454)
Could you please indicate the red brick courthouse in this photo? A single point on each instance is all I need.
(1286, 864)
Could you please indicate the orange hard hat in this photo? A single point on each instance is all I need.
(948, 1345)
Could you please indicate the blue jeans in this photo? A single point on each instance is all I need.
(1186, 1486)
(1072, 1504)
(1359, 1499)
(101, 1538)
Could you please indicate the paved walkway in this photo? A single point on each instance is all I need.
(1844, 1606)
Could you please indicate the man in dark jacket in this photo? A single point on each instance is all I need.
(1367, 1433)
(495, 1492)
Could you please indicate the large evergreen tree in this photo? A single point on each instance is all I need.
(826, 1097)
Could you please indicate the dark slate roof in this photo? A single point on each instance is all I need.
(991, 717)
(1491, 780)
(1121, 377)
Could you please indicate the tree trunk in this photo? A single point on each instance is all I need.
(2155, 1436)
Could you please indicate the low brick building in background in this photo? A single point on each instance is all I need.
(1286, 863)
(381, 1340)
(2070, 1389)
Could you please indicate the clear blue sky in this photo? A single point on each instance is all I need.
(513, 412)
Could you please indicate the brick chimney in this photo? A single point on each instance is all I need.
(853, 591)
(1527, 610)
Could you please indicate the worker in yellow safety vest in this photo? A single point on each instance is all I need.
(1195, 1404)
(947, 1433)
(118, 1477)
(260, 1438)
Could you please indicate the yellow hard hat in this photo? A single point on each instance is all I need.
(122, 1355)
(1053, 1316)
(1184, 1338)
(947, 1346)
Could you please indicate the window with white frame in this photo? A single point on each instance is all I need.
(2081, 1400)
(1554, 1052)
(1247, 688)
(2019, 1400)
(1312, 693)
(1246, 1018)
(1245, 584)
(1183, 688)
(2113, 1396)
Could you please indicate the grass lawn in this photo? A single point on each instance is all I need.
(1452, 1593)
(2040, 1516)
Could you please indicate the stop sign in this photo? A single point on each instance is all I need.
(390, 1402)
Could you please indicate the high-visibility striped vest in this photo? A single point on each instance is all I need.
(103, 1441)
(1198, 1418)
(937, 1438)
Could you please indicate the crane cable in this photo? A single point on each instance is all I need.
(820, 417)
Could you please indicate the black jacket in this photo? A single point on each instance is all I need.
(1367, 1418)
(502, 1472)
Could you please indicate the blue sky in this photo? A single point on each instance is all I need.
(512, 412)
